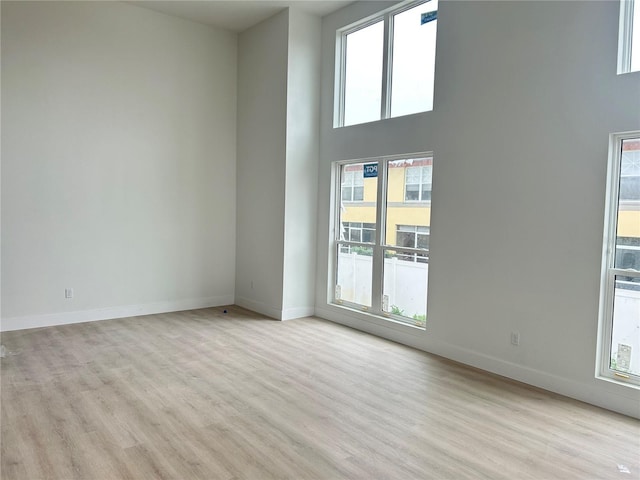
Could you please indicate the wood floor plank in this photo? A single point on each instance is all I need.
(204, 394)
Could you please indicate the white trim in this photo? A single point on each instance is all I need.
(259, 307)
(270, 311)
(387, 59)
(107, 313)
(622, 400)
(297, 312)
(625, 35)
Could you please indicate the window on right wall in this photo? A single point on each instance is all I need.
(386, 64)
(629, 41)
(619, 337)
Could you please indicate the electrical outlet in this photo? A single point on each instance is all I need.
(515, 338)
(68, 293)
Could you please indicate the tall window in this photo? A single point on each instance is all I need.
(620, 313)
(387, 64)
(382, 260)
(629, 41)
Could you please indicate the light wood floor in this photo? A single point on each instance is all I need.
(201, 394)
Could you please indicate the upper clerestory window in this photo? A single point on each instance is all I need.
(386, 64)
(629, 42)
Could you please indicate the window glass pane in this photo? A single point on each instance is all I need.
(413, 65)
(354, 275)
(413, 174)
(426, 174)
(368, 236)
(405, 287)
(630, 172)
(412, 192)
(402, 215)
(363, 74)
(628, 234)
(423, 240)
(625, 336)
(406, 239)
(364, 210)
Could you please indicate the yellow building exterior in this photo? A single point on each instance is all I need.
(400, 210)
(629, 207)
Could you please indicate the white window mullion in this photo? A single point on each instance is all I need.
(385, 107)
(378, 250)
(625, 36)
(340, 84)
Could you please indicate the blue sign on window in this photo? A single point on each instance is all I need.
(428, 17)
(370, 170)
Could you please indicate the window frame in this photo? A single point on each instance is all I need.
(385, 16)
(609, 270)
(379, 245)
(625, 36)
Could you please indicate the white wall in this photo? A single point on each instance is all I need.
(261, 162)
(278, 146)
(118, 162)
(526, 95)
(303, 123)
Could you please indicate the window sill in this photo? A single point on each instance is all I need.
(381, 320)
(616, 381)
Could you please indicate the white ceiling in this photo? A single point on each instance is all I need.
(236, 15)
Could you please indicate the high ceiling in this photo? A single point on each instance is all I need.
(236, 15)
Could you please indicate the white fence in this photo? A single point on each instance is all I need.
(405, 282)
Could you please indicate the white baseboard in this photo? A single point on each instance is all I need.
(297, 312)
(259, 307)
(621, 399)
(270, 311)
(64, 318)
